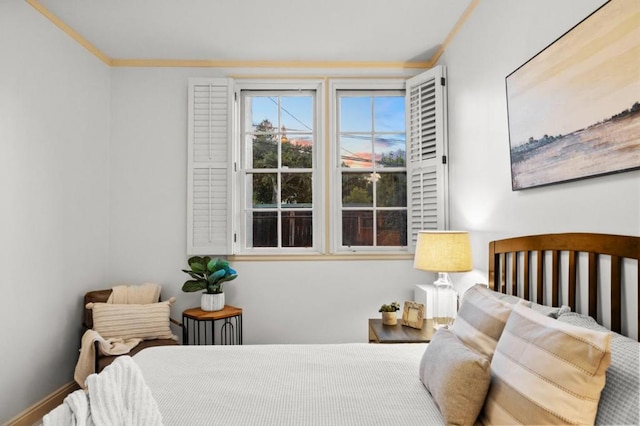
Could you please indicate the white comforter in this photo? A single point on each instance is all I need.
(342, 384)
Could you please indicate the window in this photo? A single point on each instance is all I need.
(260, 180)
(278, 133)
(372, 169)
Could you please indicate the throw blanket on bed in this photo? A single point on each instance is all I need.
(116, 396)
(135, 294)
(86, 365)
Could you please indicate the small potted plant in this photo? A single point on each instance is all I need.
(389, 316)
(208, 274)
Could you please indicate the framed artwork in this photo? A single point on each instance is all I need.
(574, 108)
(413, 315)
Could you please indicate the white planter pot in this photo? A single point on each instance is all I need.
(212, 302)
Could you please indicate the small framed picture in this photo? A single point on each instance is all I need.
(413, 315)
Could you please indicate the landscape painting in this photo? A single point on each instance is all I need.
(574, 108)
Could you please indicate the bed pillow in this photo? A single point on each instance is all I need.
(481, 319)
(620, 399)
(127, 321)
(550, 311)
(546, 372)
(457, 378)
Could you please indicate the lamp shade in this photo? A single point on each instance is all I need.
(443, 251)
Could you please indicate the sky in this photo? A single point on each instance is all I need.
(358, 115)
(588, 75)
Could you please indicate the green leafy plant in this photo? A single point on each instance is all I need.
(207, 274)
(394, 306)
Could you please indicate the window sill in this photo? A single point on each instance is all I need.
(318, 257)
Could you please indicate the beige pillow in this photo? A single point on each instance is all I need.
(457, 378)
(481, 319)
(546, 372)
(127, 321)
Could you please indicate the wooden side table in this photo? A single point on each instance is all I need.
(195, 322)
(380, 333)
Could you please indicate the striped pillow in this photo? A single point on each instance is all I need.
(546, 372)
(481, 319)
(128, 321)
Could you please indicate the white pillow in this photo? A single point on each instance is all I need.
(546, 372)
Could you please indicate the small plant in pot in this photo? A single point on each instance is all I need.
(208, 275)
(389, 316)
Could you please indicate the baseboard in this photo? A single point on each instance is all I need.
(34, 413)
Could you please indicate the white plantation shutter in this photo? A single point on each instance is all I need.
(209, 181)
(426, 152)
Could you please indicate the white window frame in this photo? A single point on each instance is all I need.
(318, 209)
(214, 180)
(368, 87)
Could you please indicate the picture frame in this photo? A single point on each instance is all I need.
(573, 110)
(413, 315)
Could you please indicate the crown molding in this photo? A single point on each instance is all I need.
(70, 31)
(159, 63)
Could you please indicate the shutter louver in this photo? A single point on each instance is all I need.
(209, 181)
(426, 140)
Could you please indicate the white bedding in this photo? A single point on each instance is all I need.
(341, 384)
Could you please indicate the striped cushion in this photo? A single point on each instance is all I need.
(546, 372)
(127, 321)
(481, 319)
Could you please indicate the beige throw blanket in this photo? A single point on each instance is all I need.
(86, 360)
(135, 294)
(116, 396)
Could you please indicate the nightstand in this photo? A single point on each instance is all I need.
(380, 333)
(199, 327)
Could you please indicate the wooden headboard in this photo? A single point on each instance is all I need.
(524, 264)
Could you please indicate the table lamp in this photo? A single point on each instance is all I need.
(443, 252)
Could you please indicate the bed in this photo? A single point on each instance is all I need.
(371, 384)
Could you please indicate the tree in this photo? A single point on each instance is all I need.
(296, 188)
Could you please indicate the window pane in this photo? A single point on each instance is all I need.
(390, 150)
(391, 190)
(389, 113)
(297, 151)
(264, 190)
(264, 110)
(265, 229)
(355, 151)
(357, 190)
(296, 113)
(355, 114)
(297, 229)
(391, 228)
(296, 190)
(357, 228)
(264, 152)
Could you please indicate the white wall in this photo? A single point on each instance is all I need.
(499, 36)
(283, 302)
(54, 115)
